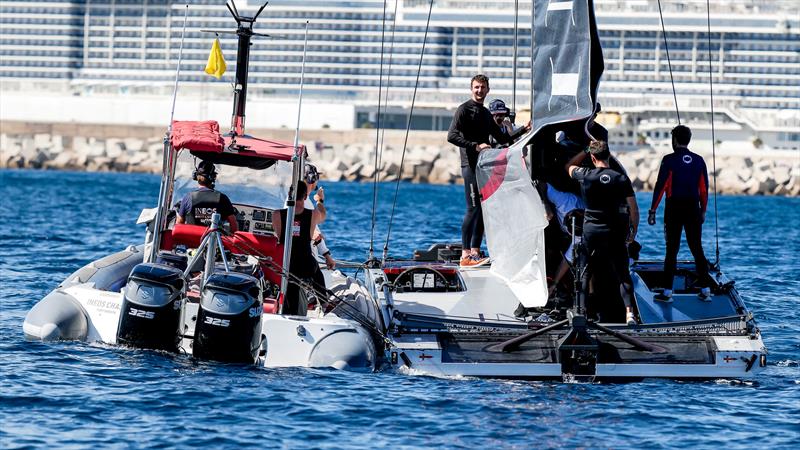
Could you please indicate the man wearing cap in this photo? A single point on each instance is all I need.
(683, 177)
(470, 130)
(318, 245)
(500, 114)
(197, 207)
(611, 218)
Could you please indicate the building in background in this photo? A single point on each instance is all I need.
(115, 60)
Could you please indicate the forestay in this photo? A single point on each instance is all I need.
(514, 218)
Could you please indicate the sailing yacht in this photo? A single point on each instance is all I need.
(448, 320)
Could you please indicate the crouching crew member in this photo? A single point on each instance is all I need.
(683, 177)
(197, 207)
(302, 263)
(611, 218)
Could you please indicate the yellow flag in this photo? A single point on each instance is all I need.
(216, 62)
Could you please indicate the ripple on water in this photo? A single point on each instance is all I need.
(74, 395)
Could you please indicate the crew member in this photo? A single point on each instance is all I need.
(501, 116)
(318, 246)
(683, 177)
(302, 263)
(611, 218)
(197, 207)
(470, 130)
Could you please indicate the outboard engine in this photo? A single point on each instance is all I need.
(229, 319)
(151, 306)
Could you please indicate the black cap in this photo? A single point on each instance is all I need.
(311, 175)
(206, 170)
(498, 106)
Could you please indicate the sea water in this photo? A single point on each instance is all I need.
(79, 395)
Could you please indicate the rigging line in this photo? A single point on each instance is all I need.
(514, 61)
(713, 136)
(669, 62)
(388, 81)
(408, 129)
(377, 138)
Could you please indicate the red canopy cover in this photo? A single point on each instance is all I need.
(204, 136)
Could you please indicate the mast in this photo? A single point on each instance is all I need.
(245, 33)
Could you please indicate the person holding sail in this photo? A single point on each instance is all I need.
(470, 130)
(611, 218)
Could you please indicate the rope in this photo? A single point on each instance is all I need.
(669, 63)
(713, 135)
(408, 129)
(322, 292)
(377, 138)
(388, 81)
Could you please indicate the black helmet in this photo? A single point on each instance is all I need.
(206, 170)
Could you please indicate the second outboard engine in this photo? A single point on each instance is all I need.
(151, 306)
(229, 319)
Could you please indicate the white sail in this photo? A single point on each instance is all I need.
(514, 218)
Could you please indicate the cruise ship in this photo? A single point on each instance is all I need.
(87, 55)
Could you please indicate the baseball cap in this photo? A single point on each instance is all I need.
(312, 174)
(498, 106)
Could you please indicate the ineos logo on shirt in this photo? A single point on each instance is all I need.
(605, 178)
(687, 159)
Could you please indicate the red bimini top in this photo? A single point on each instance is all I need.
(203, 139)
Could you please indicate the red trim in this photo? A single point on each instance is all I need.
(497, 176)
(703, 191)
(666, 189)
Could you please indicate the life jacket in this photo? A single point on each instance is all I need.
(205, 203)
(302, 262)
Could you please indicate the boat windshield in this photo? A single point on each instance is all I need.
(265, 188)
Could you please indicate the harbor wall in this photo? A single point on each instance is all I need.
(349, 155)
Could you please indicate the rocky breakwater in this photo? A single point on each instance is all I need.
(767, 172)
(349, 156)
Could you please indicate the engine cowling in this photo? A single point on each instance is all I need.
(229, 318)
(151, 305)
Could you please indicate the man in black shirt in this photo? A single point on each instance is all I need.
(470, 130)
(197, 207)
(302, 263)
(611, 217)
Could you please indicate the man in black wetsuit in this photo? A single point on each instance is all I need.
(197, 207)
(470, 130)
(302, 263)
(611, 218)
(683, 177)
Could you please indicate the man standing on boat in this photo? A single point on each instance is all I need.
(302, 263)
(610, 220)
(683, 177)
(197, 207)
(318, 245)
(470, 130)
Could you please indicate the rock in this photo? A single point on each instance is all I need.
(114, 148)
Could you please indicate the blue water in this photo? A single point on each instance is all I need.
(76, 395)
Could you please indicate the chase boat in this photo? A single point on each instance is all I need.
(203, 291)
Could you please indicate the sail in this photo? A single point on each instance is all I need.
(514, 219)
(567, 61)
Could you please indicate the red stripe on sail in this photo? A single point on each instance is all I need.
(497, 176)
